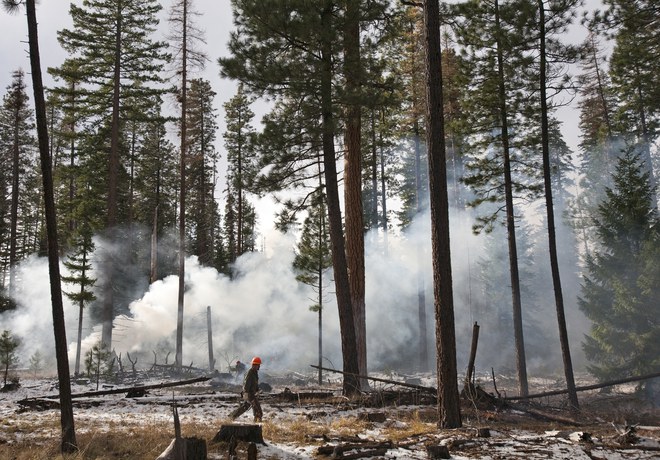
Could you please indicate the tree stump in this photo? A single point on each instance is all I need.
(240, 432)
(185, 449)
(437, 452)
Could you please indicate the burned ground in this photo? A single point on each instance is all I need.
(304, 420)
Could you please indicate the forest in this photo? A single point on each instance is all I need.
(415, 158)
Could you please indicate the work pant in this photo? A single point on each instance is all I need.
(256, 406)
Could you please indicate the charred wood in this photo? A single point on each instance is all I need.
(587, 387)
(376, 379)
(27, 401)
(240, 432)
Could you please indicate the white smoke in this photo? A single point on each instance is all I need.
(264, 311)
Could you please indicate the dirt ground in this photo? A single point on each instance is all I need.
(304, 421)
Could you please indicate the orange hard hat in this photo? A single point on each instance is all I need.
(256, 360)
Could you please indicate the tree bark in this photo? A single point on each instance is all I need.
(554, 262)
(351, 384)
(353, 180)
(521, 365)
(448, 397)
(68, 439)
(182, 184)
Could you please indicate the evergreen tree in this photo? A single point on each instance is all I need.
(449, 412)
(17, 146)
(312, 260)
(119, 65)
(8, 357)
(556, 23)
(598, 147)
(202, 170)
(290, 52)
(634, 67)
(499, 169)
(68, 440)
(240, 140)
(621, 287)
(78, 264)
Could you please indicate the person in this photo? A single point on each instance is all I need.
(250, 392)
(240, 368)
(251, 388)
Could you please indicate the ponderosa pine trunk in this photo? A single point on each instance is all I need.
(68, 439)
(449, 412)
(353, 181)
(554, 262)
(351, 385)
(521, 365)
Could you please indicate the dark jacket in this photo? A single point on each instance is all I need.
(251, 383)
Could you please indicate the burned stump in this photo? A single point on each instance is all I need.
(185, 448)
(437, 452)
(240, 432)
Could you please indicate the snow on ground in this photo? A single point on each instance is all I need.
(515, 438)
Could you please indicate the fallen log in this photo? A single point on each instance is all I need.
(355, 451)
(596, 386)
(138, 388)
(376, 379)
(546, 416)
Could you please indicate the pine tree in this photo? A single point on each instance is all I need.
(18, 157)
(620, 290)
(202, 170)
(312, 260)
(8, 357)
(119, 64)
(449, 412)
(240, 138)
(634, 67)
(68, 440)
(498, 170)
(79, 267)
(289, 51)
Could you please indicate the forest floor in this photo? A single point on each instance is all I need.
(303, 420)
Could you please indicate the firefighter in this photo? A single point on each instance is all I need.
(240, 369)
(251, 388)
(250, 392)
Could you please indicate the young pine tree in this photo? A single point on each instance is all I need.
(622, 284)
(8, 358)
(312, 260)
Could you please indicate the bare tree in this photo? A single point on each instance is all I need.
(184, 36)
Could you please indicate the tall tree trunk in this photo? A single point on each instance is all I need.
(421, 288)
(510, 219)
(322, 246)
(113, 185)
(15, 172)
(353, 180)
(554, 263)
(449, 410)
(351, 384)
(182, 182)
(68, 443)
(383, 188)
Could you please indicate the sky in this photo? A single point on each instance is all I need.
(267, 309)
